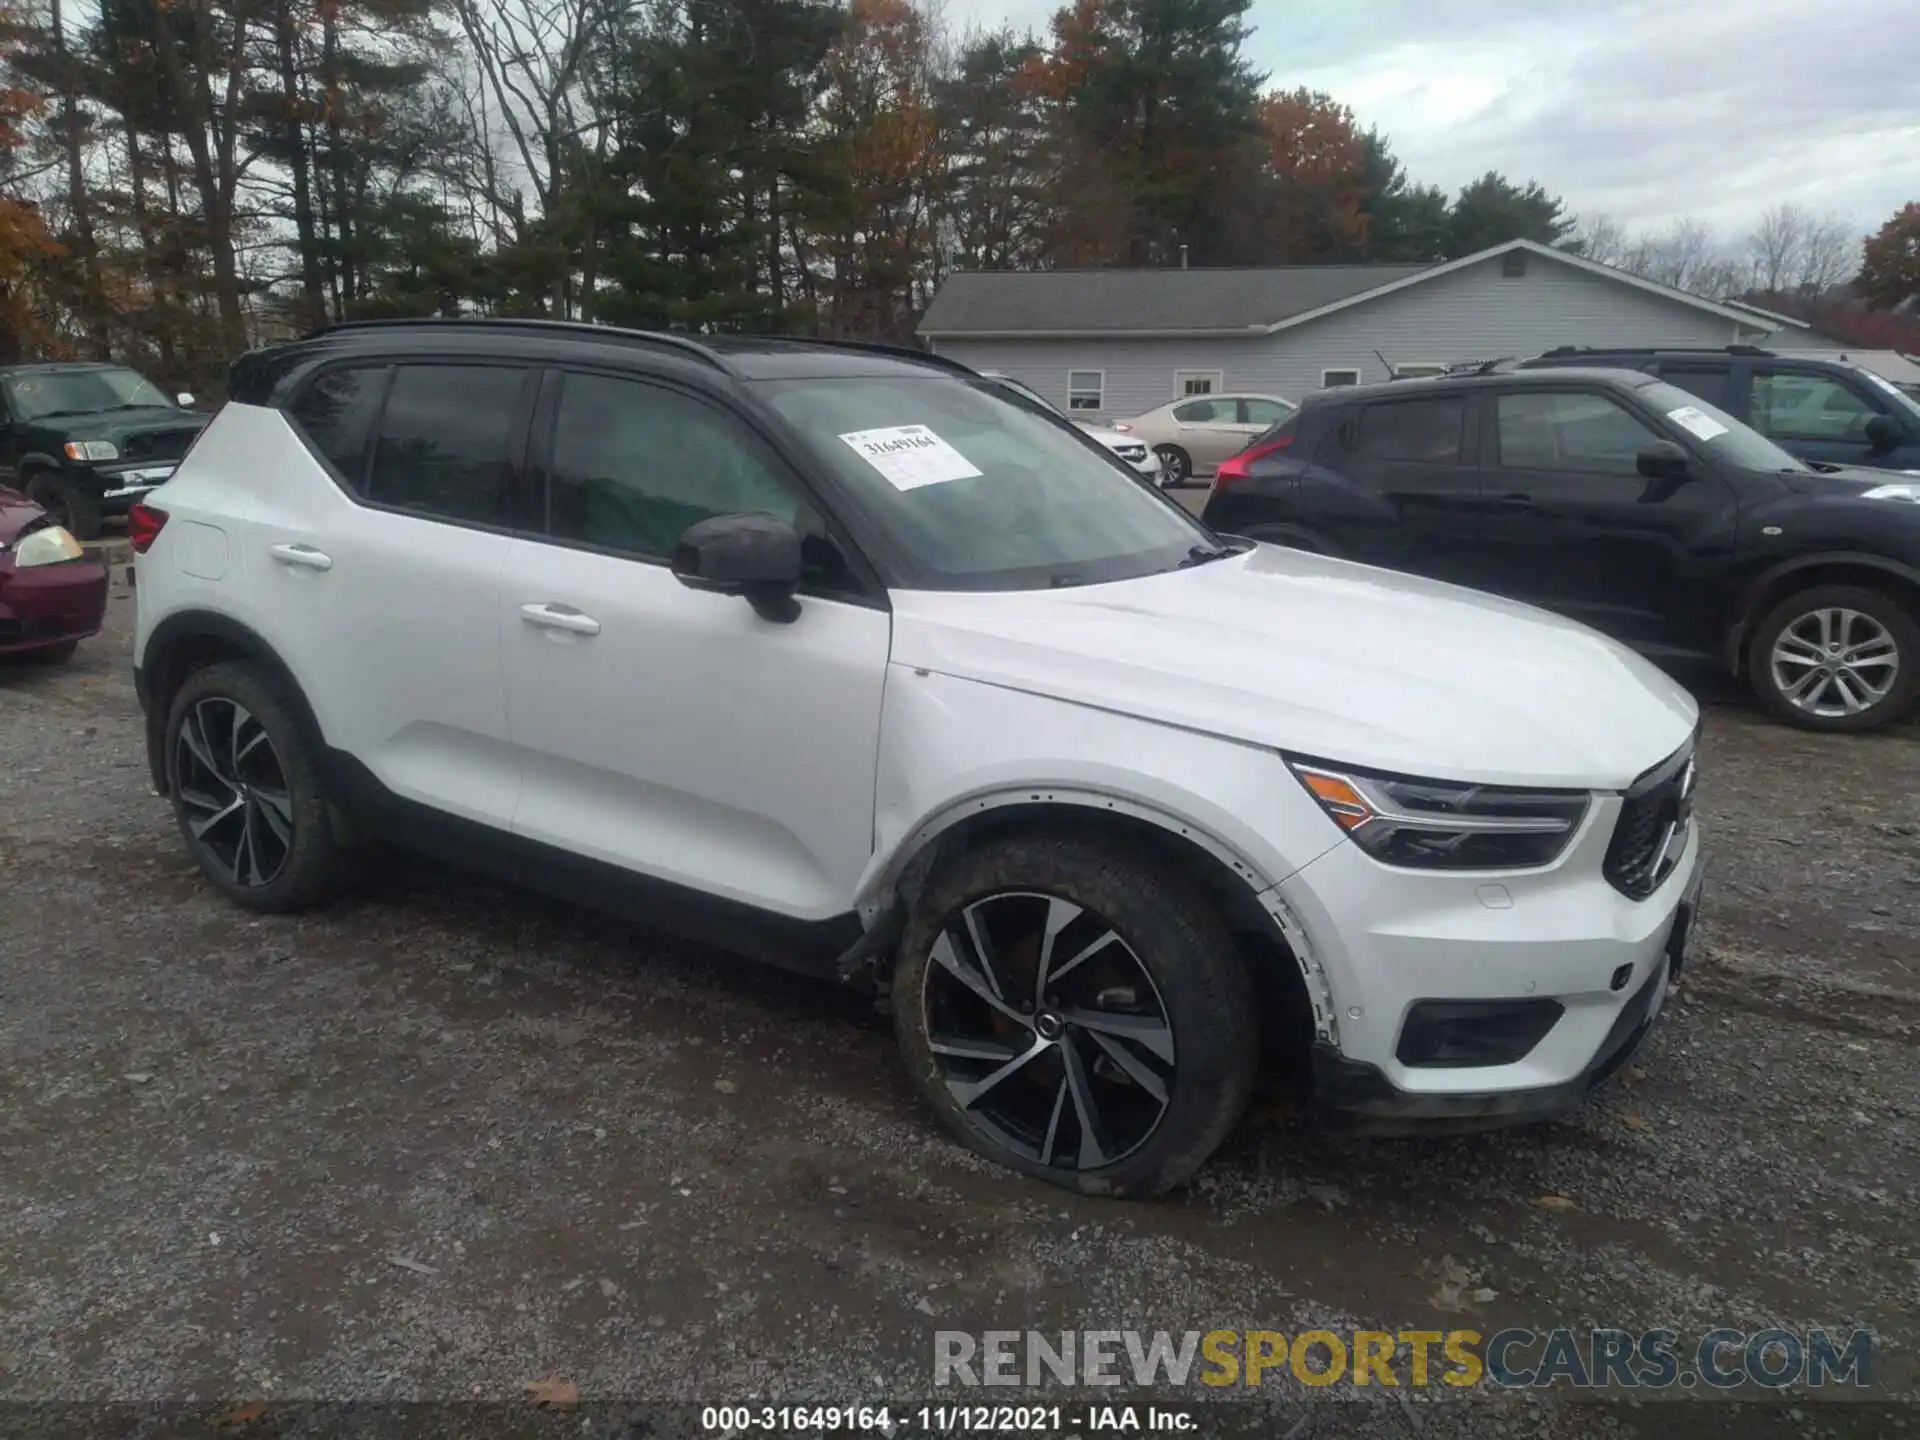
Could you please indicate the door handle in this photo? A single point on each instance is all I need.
(560, 617)
(303, 556)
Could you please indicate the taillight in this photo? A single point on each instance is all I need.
(1240, 467)
(144, 523)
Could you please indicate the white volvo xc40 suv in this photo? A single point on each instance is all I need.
(840, 657)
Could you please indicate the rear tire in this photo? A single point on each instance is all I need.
(1177, 464)
(1836, 658)
(75, 508)
(247, 790)
(1140, 1049)
(55, 654)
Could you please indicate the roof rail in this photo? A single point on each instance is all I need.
(899, 352)
(1478, 367)
(1560, 350)
(683, 343)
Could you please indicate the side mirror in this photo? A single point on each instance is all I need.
(1663, 460)
(753, 556)
(183, 400)
(1884, 433)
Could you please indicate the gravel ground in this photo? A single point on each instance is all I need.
(439, 1141)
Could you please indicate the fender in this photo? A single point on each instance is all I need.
(1757, 588)
(37, 460)
(156, 677)
(877, 890)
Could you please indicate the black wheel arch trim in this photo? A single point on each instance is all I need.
(156, 682)
(1747, 613)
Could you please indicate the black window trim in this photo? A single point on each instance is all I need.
(518, 425)
(539, 467)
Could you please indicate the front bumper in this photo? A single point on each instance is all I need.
(1384, 941)
(47, 605)
(121, 485)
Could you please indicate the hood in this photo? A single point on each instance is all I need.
(1109, 437)
(16, 511)
(1846, 481)
(1323, 657)
(119, 425)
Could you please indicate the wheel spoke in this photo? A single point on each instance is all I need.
(275, 818)
(254, 742)
(1060, 914)
(1135, 1067)
(1806, 690)
(1146, 1031)
(947, 956)
(983, 950)
(201, 800)
(202, 824)
(1053, 1123)
(239, 723)
(1093, 1144)
(1826, 627)
(960, 1049)
(968, 1093)
(277, 801)
(193, 736)
(1843, 685)
(1790, 649)
(1087, 952)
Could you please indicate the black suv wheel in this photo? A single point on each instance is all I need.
(74, 507)
(1076, 1012)
(1836, 657)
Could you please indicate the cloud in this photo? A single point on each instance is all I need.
(1646, 110)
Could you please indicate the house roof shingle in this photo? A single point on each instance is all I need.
(1092, 302)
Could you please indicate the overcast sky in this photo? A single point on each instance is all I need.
(1645, 110)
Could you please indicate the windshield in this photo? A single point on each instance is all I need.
(1724, 437)
(976, 491)
(82, 392)
(1027, 392)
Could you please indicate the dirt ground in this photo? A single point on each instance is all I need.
(439, 1140)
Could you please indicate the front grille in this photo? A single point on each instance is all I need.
(1651, 833)
(158, 444)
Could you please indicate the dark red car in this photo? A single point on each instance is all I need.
(52, 596)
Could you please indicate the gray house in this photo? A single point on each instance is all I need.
(1114, 343)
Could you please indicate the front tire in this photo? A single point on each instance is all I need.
(1076, 1012)
(1177, 464)
(247, 791)
(76, 508)
(1838, 658)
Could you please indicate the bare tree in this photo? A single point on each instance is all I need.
(1792, 249)
(1775, 246)
(1829, 255)
(1600, 238)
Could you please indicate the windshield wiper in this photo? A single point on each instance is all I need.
(1201, 554)
(59, 414)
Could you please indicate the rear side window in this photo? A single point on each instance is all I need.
(1709, 382)
(1205, 412)
(446, 441)
(336, 414)
(1420, 430)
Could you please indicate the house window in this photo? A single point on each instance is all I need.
(1197, 382)
(1330, 379)
(1418, 370)
(1086, 389)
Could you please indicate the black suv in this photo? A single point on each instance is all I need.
(1824, 411)
(1617, 499)
(87, 440)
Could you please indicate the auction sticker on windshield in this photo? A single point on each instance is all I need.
(910, 456)
(1696, 422)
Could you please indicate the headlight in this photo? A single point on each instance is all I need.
(1441, 825)
(1908, 490)
(48, 546)
(92, 450)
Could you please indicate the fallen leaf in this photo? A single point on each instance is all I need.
(924, 1306)
(725, 1087)
(1634, 1120)
(1485, 1296)
(137, 1077)
(1555, 1202)
(1447, 1298)
(407, 1262)
(1632, 1075)
(240, 1415)
(553, 1393)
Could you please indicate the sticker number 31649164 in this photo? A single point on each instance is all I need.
(910, 456)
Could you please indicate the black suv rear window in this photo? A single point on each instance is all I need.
(1423, 430)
